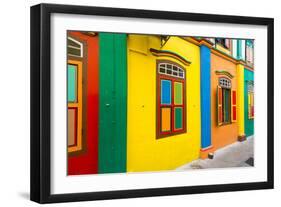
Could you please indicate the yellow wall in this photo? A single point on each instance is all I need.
(144, 151)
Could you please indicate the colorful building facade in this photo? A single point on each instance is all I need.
(163, 128)
(223, 101)
(82, 74)
(148, 102)
(231, 69)
(249, 101)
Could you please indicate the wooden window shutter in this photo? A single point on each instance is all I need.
(227, 43)
(219, 106)
(233, 106)
(250, 105)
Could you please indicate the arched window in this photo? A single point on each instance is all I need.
(226, 102)
(74, 47)
(225, 83)
(75, 94)
(170, 69)
(171, 110)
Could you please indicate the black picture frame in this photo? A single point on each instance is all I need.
(41, 96)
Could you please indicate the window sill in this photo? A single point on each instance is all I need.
(161, 136)
(225, 124)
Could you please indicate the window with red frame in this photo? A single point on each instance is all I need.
(171, 111)
(226, 102)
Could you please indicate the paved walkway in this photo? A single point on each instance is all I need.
(239, 154)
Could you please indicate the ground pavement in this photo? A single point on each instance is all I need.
(239, 154)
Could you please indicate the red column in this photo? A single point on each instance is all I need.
(86, 162)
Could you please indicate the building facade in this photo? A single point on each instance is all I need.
(231, 69)
(163, 128)
(149, 102)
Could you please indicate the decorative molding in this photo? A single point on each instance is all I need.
(168, 53)
(232, 59)
(242, 62)
(192, 40)
(215, 51)
(206, 42)
(247, 66)
(223, 72)
(91, 34)
(199, 42)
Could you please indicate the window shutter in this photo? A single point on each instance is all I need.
(227, 43)
(248, 58)
(219, 106)
(233, 106)
(250, 105)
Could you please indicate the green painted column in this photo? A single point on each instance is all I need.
(112, 103)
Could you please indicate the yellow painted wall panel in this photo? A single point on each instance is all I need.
(135, 46)
(144, 151)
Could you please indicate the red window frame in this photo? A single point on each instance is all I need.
(172, 106)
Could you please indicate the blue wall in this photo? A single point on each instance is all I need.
(205, 87)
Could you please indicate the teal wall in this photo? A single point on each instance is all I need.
(249, 123)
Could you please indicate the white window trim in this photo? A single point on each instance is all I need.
(164, 66)
(79, 43)
(226, 80)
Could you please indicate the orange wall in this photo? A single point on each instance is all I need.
(225, 134)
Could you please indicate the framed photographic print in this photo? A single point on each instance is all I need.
(133, 103)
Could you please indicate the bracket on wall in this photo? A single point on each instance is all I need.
(164, 39)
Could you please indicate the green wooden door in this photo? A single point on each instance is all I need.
(112, 103)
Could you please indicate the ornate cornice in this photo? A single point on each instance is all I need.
(171, 54)
(223, 72)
